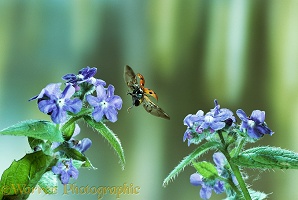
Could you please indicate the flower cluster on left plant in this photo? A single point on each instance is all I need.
(56, 153)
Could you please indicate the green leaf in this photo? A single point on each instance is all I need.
(38, 144)
(68, 131)
(266, 157)
(78, 164)
(188, 160)
(39, 129)
(49, 183)
(206, 169)
(109, 135)
(33, 142)
(20, 179)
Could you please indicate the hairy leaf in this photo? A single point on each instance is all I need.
(188, 160)
(267, 157)
(110, 136)
(38, 129)
(20, 179)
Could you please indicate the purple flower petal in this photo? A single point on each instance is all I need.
(217, 125)
(47, 106)
(69, 77)
(101, 93)
(219, 187)
(93, 101)
(116, 101)
(111, 114)
(219, 159)
(241, 114)
(73, 173)
(58, 116)
(196, 179)
(56, 170)
(206, 192)
(88, 72)
(97, 113)
(187, 135)
(97, 82)
(190, 119)
(110, 91)
(73, 105)
(64, 177)
(68, 91)
(53, 89)
(258, 116)
(85, 144)
(264, 130)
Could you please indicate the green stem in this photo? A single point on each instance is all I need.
(232, 184)
(69, 122)
(238, 176)
(221, 138)
(235, 169)
(241, 143)
(75, 118)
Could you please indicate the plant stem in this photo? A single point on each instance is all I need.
(241, 143)
(238, 176)
(221, 138)
(235, 169)
(231, 183)
(75, 118)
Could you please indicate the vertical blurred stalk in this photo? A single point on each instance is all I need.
(5, 47)
(175, 27)
(283, 41)
(226, 48)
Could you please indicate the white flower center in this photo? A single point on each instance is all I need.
(93, 80)
(209, 119)
(251, 123)
(60, 102)
(80, 76)
(104, 104)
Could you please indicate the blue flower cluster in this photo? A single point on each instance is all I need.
(221, 120)
(255, 125)
(200, 126)
(64, 168)
(59, 104)
(62, 105)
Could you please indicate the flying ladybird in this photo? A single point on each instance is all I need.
(140, 94)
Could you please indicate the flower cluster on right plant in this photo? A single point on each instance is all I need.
(202, 127)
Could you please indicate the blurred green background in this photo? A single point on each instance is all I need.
(243, 53)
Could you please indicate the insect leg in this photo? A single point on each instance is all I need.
(129, 108)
